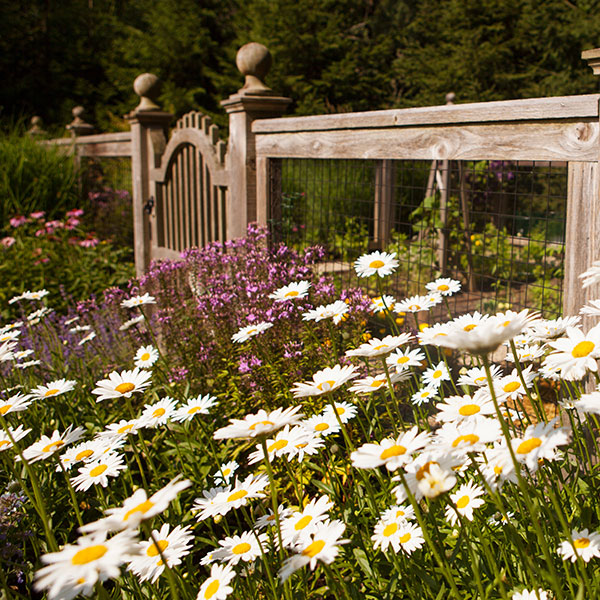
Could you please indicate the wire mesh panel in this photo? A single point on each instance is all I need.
(496, 226)
(99, 173)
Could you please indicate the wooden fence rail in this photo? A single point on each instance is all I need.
(198, 188)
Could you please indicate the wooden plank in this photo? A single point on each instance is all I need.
(262, 190)
(200, 184)
(168, 216)
(193, 225)
(112, 149)
(141, 246)
(563, 107)
(206, 207)
(186, 237)
(180, 204)
(166, 253)
(570, 140)
(222, 214)
(384, 201)
(582, 245)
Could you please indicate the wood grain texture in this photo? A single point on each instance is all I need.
(582, 245)
(569, 140)
(562, 107)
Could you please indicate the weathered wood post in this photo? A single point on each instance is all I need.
(36, 128)
(78, 126)
(149, 127)
(383, 210)
(582, 244)
(253, 101)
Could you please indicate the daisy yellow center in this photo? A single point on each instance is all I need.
(581, 543)
(340, 410)
(424, 470)
(395, 450)
(4, 443)
(469, 409)
(582, 349)
(462, 502)
(97, 471)
(469, 327)
(4, 409)
(211, 589)
(377, 383)
(390, 529)
(303, 522)
(437, 374)
(414, 307)
(159, 412)
(322, 427)
(81, 581)
(145, 356)
(314, 548)
(154, 551)
(424, 394)
(470, 438)
(403, 359)
(292, 294)
(237, 495)
(53, 446)
(278, 445)
(400, 513)
(497, 470)
(226, 472)
(89, 554)
(194, 410)
(512, 386)
(125, 428)
(443, 287)
(405, 538)
(84, 454)
(241, 548)
(376, 264)
(528, 445)
(380, 346)
(143, 507)
(302, 445)
(265, 423)
(124, 388)
(480, 379)
(51, 392)
(251, 331)
(326, 384)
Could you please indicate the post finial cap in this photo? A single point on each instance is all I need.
(147, 87)
(254, 61)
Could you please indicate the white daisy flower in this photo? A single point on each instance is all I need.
(131, 322)
(293, 291)
(16, 403)
(400, 535)
(23, 354)
(376, 347)
(269, 519)
(25, 365)
(79, 328)
(372, 384)
(46, 446)
(37, 295)
(148, 565)
(87, 338)
(54, 388)
(497, 466)
(310, 445)
(444, 286)
(138, 508)
(468, 436)
(88, 451)
(225, 472)
(11, 326)
(543, 330)
(138, 301)
(283, 444)
(262, 422)
(79, 566)
(526, 353)
(538, 594)
(325, 381)
(217, 587)
(245, 547)
(122, 385)
(321, 545)
(417, 303)
(511, 386)
(591, 276)
(576, 354)
(303, 522)
(434, 376)
(465, 499)
(424, 395)
(464, 408)
(245, 333)
(158, 413)
(376, 263)
(382, 303)
(583, 544)
(593, 308)
(98, 471)
(477, 377)
(344, 410)
(393, 453)
(145, 357)
(71, 320)
(322, 425)
(539, 442)
(9, 336)
(194, 406)
(436, 481)
(334, 311)
(122, 428)
(17, 434)
(399, 513)
(403, 359)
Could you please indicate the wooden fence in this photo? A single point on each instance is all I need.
(191, 188)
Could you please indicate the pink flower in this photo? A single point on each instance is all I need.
(7, 242)
(54, 225)
(41, 260)
(76, 212)
(40, 214)
(40, 232)
(18, 221)
(89, 242)
(72, 222)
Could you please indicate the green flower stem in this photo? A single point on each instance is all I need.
(539, 408)
(318, 343)
(39, 500)
(71, 491)
(138, 460)
(173, 585)
(338, 582)
(393, 394)
(387, 309)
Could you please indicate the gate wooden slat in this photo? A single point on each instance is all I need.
(200, 185)
(207, 196)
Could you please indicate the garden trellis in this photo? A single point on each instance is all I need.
(193, 188)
